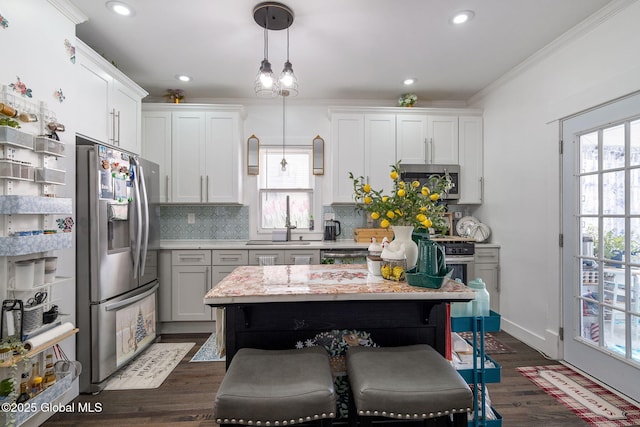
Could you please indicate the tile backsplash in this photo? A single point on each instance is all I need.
(232, 222)
(349, 218)
(211, 222)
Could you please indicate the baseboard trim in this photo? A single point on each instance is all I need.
(187, 327)
(547, 345)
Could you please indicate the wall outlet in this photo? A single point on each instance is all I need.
(329, 216)
(191, 218)
(457, 215)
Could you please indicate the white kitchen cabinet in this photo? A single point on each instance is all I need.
(188, 168)
(199, 150)
(126, 116)
(363, 140)
(190, 280)
(156, 147)
(192, 274)
(347, 146)
(487, 268)
(284, 256)
(219, 272)
(302, 256)
(224, 261)
(111, 102)
(94, 86)
(190, 283)
(266, 257)
(223, 163)
(471, 160)
(363, 144)
(411, 138)
(380, 150)
(443, 140)
(426, 139)
(229, 257)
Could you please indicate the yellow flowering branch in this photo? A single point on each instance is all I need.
(410, 203)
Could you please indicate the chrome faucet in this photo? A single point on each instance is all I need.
(287, 222)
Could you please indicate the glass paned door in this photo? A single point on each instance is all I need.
(601, 254)
(609, 254)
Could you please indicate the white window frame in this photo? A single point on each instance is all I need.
(313, 194)
(587, 355)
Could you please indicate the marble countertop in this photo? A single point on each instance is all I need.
(306, 244)
(345, 282)
(242, 244)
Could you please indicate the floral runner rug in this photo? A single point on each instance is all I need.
(151, 368)
(208, 352)
(492, 345)
(596, 405)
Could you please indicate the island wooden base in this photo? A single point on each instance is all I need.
(281, 325)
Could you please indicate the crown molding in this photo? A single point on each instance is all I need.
(579, 30)
(69, 10)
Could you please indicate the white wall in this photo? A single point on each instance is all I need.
(34, 50)
(522, 163)
(303, 123)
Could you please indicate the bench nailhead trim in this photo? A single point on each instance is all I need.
(277, 422)
(377, 413)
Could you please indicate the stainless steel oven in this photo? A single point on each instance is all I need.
(460, 256)
(421, 173)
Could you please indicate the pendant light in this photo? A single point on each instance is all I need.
(265, 85)
(287, 79)
(274, 16)
(283, 162)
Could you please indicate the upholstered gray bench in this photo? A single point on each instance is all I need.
(276, 388)
(410, 383)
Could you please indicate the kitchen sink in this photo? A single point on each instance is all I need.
(270, 243)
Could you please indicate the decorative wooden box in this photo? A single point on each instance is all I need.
(364, 235)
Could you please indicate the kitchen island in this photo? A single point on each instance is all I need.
(275, 307)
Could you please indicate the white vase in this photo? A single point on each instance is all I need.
(402, 236)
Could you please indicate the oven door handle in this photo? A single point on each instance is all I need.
(458, 259)
(129, 301)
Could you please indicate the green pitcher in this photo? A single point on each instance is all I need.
(431, 258)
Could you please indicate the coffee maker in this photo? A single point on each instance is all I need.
(332, 229)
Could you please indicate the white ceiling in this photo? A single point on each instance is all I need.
(340, 49)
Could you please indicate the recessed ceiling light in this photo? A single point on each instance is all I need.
(409, 81)
(120, 8)
(462, 17)
(183, 78)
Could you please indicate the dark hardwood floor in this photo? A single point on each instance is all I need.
(186, 397)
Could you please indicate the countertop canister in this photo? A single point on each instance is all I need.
(482, 302)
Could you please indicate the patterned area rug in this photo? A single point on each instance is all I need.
(492, 345)
(151, 368)
(208, 352)
(596, 405)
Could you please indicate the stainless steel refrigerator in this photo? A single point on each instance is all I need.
(117, 215)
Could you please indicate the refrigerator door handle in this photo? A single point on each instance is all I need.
(138, 231)
(145, 202)
(129, 301)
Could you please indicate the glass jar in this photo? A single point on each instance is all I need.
(393, 269)
(481, 304)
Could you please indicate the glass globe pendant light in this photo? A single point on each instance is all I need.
(288, 79)
(265, 85)
(274, 16)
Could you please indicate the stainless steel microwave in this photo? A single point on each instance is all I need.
(422, 173)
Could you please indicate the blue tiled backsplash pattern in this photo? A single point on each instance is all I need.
(349, 218)
(232, 222)
(211, 222)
